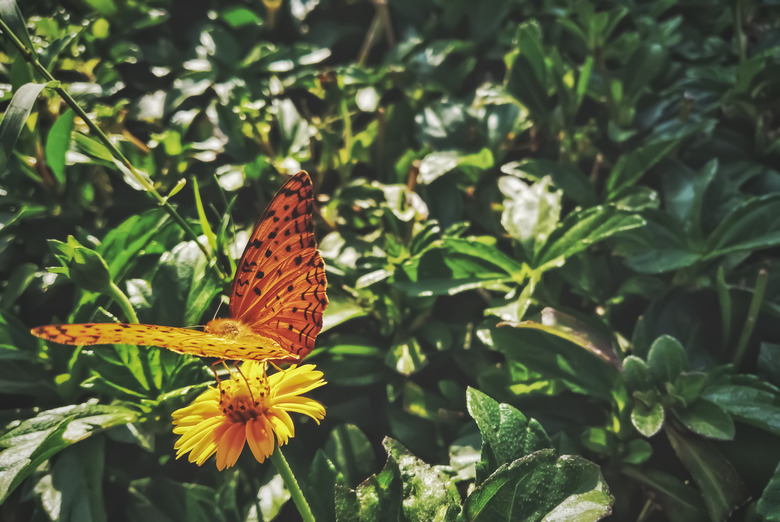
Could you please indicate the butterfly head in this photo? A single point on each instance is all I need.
(228, 328)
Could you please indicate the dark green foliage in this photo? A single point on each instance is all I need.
(569, 209)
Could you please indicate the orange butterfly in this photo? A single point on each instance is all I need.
(276, 303)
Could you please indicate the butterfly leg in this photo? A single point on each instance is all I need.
(248, 387)
(219, 382)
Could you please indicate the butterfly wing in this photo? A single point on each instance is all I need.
(180, 340)
(280, 283)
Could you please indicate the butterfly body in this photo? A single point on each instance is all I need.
(277, 299)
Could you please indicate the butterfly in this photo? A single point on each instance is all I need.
(276, 302)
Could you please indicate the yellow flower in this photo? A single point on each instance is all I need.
(252, 408)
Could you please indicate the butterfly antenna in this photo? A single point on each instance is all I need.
(216, 313)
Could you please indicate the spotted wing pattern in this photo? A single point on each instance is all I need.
(280, 283)
(180, 340)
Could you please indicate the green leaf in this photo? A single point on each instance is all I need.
(35, 440)
(681, 502)
(18, 281)
(648, 420)
(643, 66)
(553, 357)
(592, 336)
(637, 451)
(320, 487)
(689, 386)
(160, 498)
(58, 142)
(85, 267)
(707, 419)
(340, 310)
(631, 166)
(666, 359)
(636, 374)
(13, 18)
(507, 434)
(719, 483)
(527, 76)
(351, 452)
(437, 164)
(531, 212)
(406, 357)
(541, 487)
(376, 498)
(759, 406)
(429, 492)
(15, 117)
(752, 225)
(77, 481)
(769, 504)
(581, 229)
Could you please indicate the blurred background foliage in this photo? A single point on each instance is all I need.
(570, 206)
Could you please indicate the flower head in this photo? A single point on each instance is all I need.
(250, 407)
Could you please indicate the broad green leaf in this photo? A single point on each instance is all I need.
(759, 406)
(437, 164)
(636, 374)
(552, 357)
(58, 142)
(351, 452)
(75, 486)
(35, 440)
(637, 451)
(340, 310)
(753, 225)
(13, 18)
(531, 212)
(581, 229)
(507, 434)
(719, 483)
(666, 359)
(20, 278)
(769, 504)
(642, 67)
(648, 421)
(85, 267)
(527, 75)
(681, 502)
(591, 336)
(16, 115)
(429, 492)
(320, 487)
(541, 486)
(707, 419)
(379, 497)
(406, 357)
(689, 386)
(160, 498)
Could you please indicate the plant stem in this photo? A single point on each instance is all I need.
(752, 316)
(292, 485)
(123, 302)
(31, 57)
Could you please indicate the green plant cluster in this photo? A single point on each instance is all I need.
(565, 208)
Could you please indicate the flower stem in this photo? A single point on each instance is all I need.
(123, 302)
(292, 485)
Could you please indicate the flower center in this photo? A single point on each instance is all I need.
(241, 401)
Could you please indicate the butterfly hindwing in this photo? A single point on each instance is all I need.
(280, 283)
(180, 340)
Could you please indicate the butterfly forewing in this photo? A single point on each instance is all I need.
(276, 303)
(280, 283)
(180, 340)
